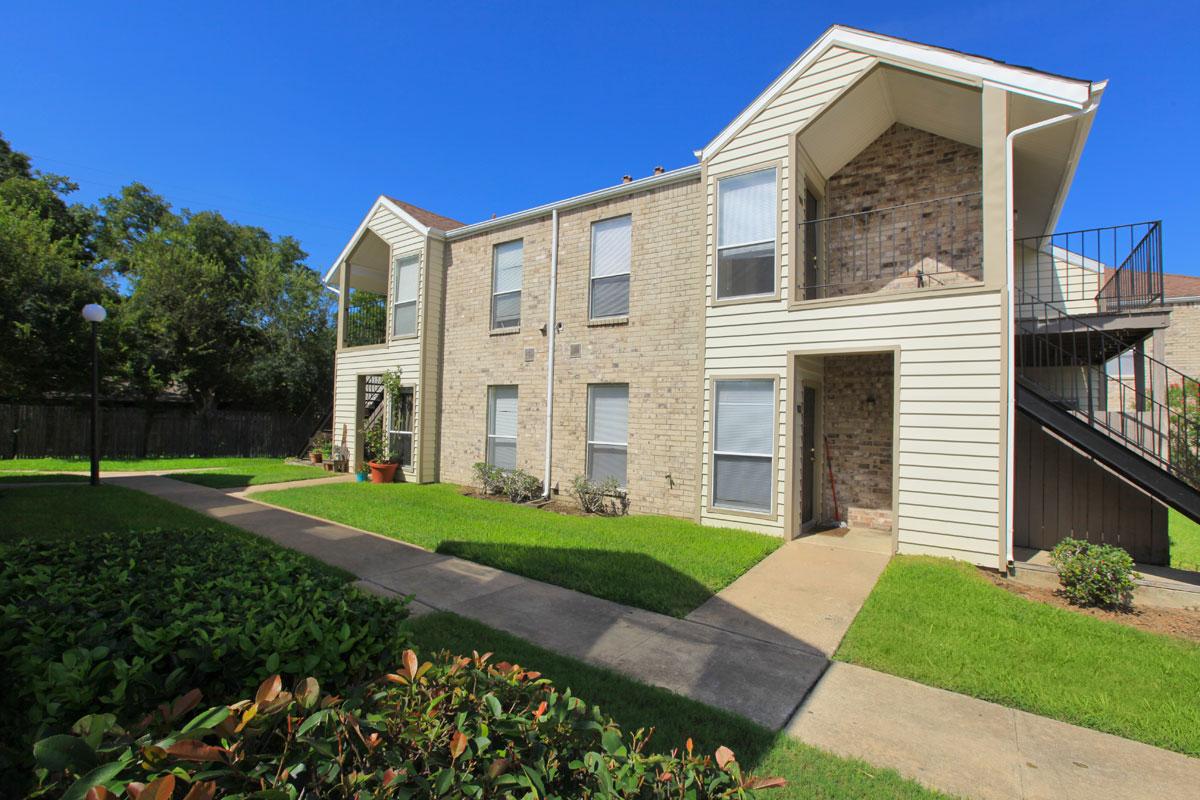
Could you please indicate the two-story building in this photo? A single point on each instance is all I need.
(824, 319)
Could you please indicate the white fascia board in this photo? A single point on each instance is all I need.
(1082, 130)
(674, 176)
(974, 70)
(380, 202)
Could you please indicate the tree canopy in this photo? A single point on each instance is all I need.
(223, 312)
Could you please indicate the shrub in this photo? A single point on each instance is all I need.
(1094, 574)
(519, 486)
(604, 498)
(112, 623)
(488, 477)
(457, 727)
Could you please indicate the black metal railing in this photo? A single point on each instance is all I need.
(1109, 382)
(1098, 270)
(930, 243)
(365, 319)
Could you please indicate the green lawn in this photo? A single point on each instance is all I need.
(1185, 541)
(126, 464)
(252, 472)
(40, 477)
(811, 773)
(942, 623)
(657, 563)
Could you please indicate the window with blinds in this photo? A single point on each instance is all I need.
(608, 432)
(400, 428)
(507, 263)
(611, 248)
(744, 444)
(502, 427)
(746, 227)
(404, 299)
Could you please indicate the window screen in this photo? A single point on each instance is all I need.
(507, 265)
(611, 247)
(608, 432)
(746, 206)
(502, 427)
(744, 444)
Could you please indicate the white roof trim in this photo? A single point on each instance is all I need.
(675, 175)
(380, 202)
(974, 69)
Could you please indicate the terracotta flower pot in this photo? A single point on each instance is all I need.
(314, 456)
(382, 473)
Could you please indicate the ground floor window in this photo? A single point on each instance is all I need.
(502, 427)
(400, 427)
(608, 432)
(743, 444)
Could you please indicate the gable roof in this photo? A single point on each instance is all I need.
(1181, 286)
(977, 70)
(426, 217)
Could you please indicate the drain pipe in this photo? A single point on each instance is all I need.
(551, 329)
(1010, 311)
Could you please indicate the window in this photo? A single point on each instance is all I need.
(608, 432)
(507, 261)
(502, 427)
(746, 235)
(610, 267)
(744, 443)
(404, 304)
(400, 427)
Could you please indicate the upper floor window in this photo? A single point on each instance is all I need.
(404, 300)
(611, 247)
(746, 227)
(507, 266)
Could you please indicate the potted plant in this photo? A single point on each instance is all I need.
(320, 445)
(382, 463)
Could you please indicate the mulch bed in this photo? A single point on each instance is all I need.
(1183, 623)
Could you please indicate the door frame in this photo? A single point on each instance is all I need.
(807, 380)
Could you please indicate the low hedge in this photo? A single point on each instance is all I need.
(117, 623)
(452, 727)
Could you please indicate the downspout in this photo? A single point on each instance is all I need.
(1010, 311)
(551, 329)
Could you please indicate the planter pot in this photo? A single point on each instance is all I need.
(315, 456)
(361, 477)
(382, 473)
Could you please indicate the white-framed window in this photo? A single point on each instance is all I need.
(608, 432)
(744, 444)
(507, 266)
(404, 301)
(611, 258)
(502, 427)
(747, 210)
(400, 426)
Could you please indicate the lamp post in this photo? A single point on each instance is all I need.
(95, 314)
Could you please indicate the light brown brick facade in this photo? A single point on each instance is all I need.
(656, 350)
(1183, 339)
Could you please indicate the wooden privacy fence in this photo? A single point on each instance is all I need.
(61, 431)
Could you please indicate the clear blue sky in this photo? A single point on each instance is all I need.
(294, 116)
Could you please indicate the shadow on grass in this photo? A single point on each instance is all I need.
(215, 480)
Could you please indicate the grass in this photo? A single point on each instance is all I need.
(1185, 541)
(657, 563)
(40, 477)
(252, 472)
(941, 623)
(126, 464)
(811, 773)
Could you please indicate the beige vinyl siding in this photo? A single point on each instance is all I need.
(1070, 286)
(403, 353)
(948, 446)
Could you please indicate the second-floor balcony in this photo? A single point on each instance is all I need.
(364, 319)
(925, 244)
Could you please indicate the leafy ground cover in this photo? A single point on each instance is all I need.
(1185, 541)
(657, 563)
(941, 623)
(810, 773)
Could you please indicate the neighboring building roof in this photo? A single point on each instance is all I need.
(1181, 286)
(426, 217)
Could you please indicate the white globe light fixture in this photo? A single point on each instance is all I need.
(95, 314)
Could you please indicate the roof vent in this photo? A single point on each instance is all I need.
(659, 170)
(626, 179)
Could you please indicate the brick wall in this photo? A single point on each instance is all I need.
(654, 351)
(884, 251)
(860, 437)
(1182, 345)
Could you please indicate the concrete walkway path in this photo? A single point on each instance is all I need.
(978, 749)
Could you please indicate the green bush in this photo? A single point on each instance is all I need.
(113, 623)
(519, 486)
(1094, 574)
(456, 727)
(489, 478)
(605, 498)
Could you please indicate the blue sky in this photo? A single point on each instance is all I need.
(294, 116)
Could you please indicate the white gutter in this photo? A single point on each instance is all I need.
(551, 326)
(1010, 311)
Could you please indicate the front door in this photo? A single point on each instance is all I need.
(808, 454)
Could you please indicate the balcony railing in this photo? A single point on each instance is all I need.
(1099, 270)
(364, 321)
(930, 243)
